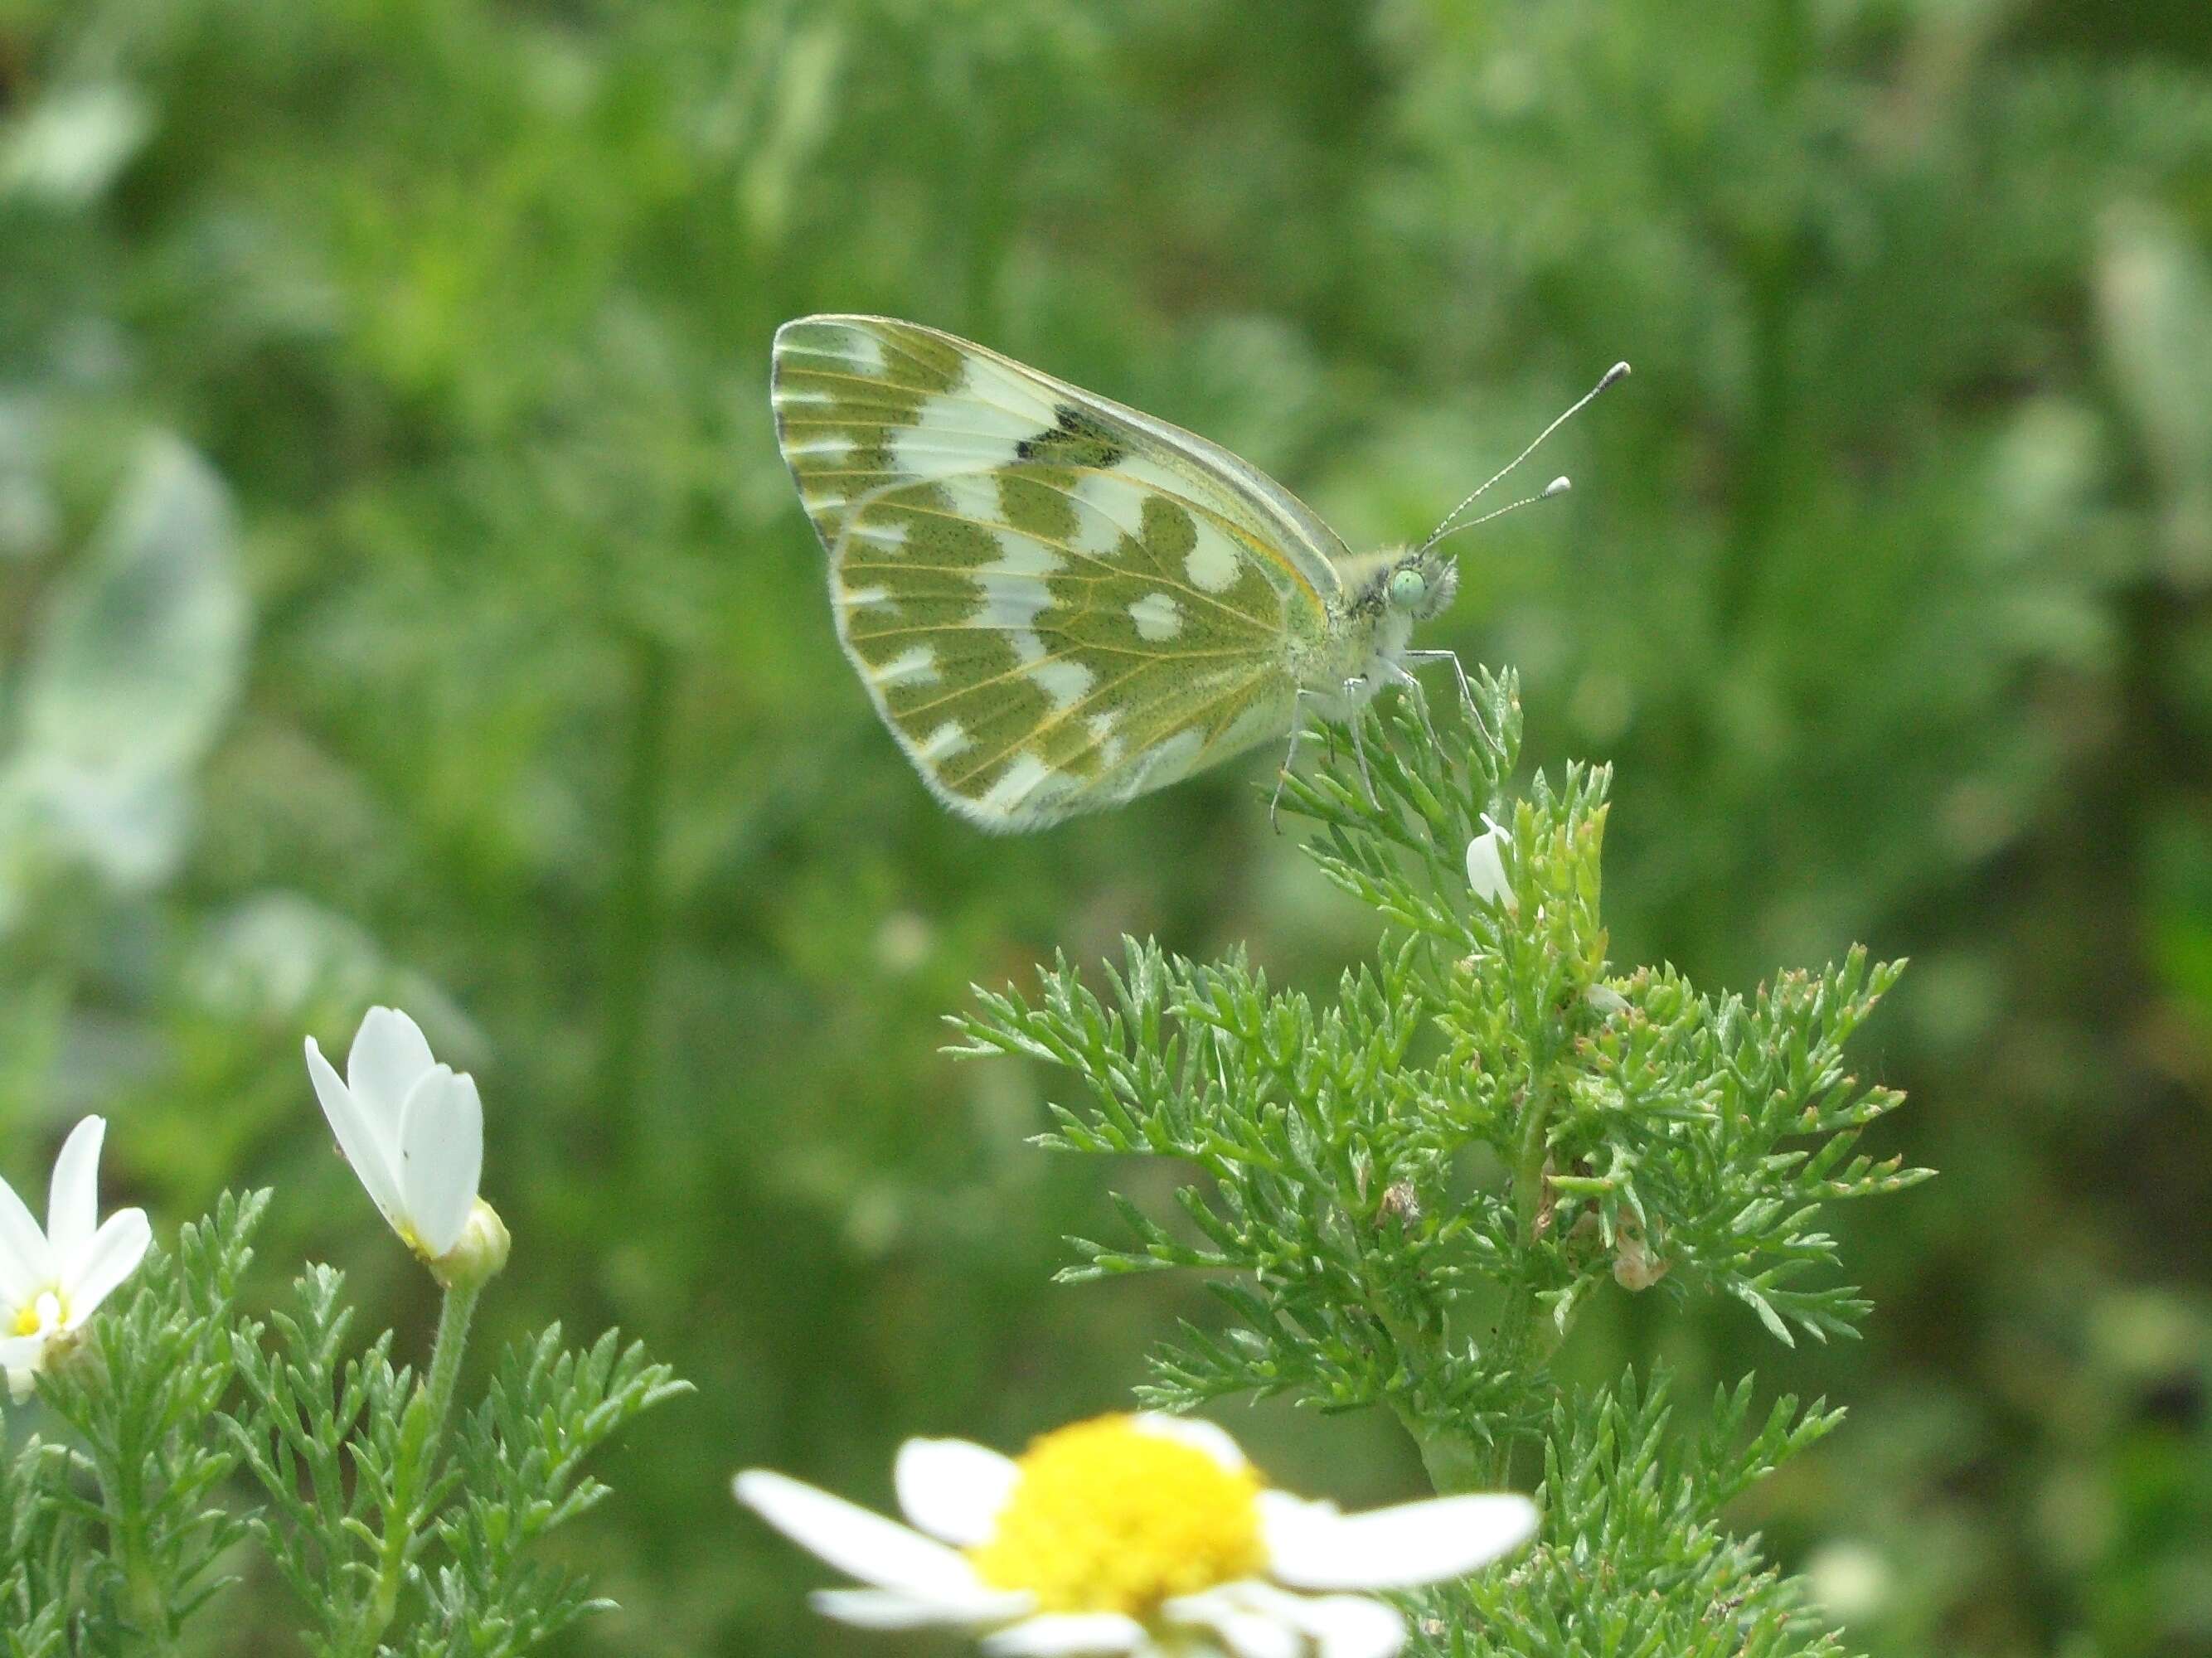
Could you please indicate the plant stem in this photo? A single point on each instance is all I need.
(120, 1469)
(1516, 1320)
(446, 1355)
(1454, 1464)
(420, 1435)
(148, 1601)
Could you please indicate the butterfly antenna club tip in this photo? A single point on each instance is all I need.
(1556, 487)
(1612, 376)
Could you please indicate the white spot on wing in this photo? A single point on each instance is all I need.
(1019, 555)
(1100, 505)
(838, 343)
(1063, 681)
(1017, 782)
(883, 531)
(1211, 564)
(947, 740)
(1011, 391)
(1012, 601)
(916, 664)
(955, 435)
(859, 597)
(1157, 617)
(1102, 734)
(826, 449)
(973, 497)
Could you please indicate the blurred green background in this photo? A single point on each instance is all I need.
(401, 600)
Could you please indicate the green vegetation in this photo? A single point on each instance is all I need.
(401, 600)
(1627, 1130)
(397, 1525)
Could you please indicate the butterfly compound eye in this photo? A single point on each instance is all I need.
(1407, 589)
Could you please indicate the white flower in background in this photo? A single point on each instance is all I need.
(1141, 1535)
(1485, 867)
(51, 1280)
(413, 1130)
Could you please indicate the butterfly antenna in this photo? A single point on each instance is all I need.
(1617, 372)
(1556, 487)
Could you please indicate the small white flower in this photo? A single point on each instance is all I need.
(413, 1130)
(51, 1280)
(1137, 1536)
(1485, 867)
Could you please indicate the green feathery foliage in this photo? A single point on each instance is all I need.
(1406, 1194)
(401, 1526)
(118, 1529)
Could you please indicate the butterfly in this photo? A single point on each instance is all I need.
(1057, 602)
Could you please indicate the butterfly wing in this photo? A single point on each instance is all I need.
(1056, 602)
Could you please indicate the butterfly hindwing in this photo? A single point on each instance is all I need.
(1057, 603)
(1035, 640)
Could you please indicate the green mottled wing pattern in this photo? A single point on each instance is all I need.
(1055, 603)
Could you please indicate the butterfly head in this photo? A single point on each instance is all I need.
(1419, 582)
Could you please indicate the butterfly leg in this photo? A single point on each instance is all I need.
(1289, 756)
(1352, 687)
(1420, 698)
(1466, 691)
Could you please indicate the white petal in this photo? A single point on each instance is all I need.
(113, 1255)
(1197, 1433)
(953, 1490)
(1057, 1635)
(1244, 1629)
(1311, 1546)
(1353, 1626)
(1339, 1625)
(865, 1546)
(441, 1156)
(1485, 868)
(363, 1141)
(22, 1378)
(888, 1609)
(389, 1056)
(21, 1353)
(73, 1198)
(26, 1265)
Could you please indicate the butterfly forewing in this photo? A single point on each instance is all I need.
(1055, 604)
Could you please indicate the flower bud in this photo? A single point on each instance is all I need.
(480, 1254)
(1636, 1265)
(1485, 866)
(1604, 1000)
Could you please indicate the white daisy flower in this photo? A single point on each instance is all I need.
(413, 1130)
(1485, 867)
(1147, 1536)
(51, 1281)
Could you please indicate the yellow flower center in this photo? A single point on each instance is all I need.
(45, 1311)
(1109, 1517)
